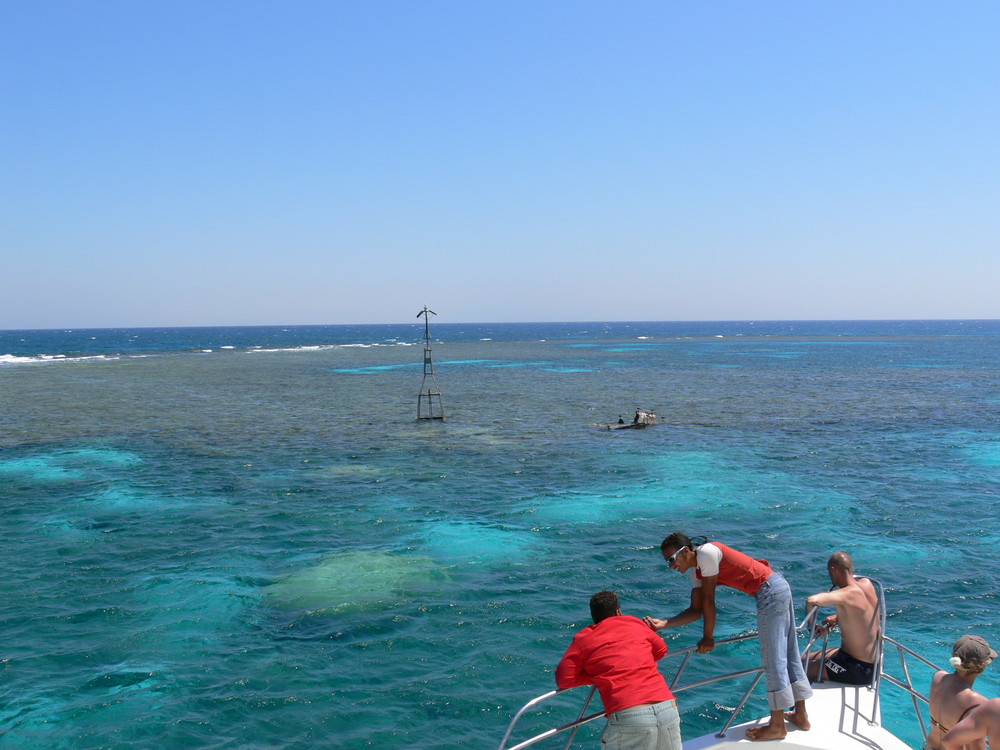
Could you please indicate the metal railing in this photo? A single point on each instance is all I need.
(572, 727)
(809, 623)
(907, 686)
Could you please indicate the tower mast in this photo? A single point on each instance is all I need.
(430, 395)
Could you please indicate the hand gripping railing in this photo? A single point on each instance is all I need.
(808, 622)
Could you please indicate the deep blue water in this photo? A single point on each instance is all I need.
(111, 342)
(243, 538)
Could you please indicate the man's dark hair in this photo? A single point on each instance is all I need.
(603, 604)
(675, 541)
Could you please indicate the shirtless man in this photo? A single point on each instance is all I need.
(952, 696)
(857, 614)
(982, 722)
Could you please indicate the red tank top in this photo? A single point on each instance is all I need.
(740, 571)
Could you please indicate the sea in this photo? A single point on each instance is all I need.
(245, 538)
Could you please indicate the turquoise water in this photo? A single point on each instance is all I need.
(243, 538)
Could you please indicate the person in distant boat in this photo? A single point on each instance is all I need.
(713, 564)
(618, 654)
(982, 722)
(952, 696)
(857, 615)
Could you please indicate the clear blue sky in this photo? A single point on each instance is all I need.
(227, 162)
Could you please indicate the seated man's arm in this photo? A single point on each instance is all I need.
(827, 599)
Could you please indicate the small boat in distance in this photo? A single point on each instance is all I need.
(642, 418)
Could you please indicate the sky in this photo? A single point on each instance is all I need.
(238, 162)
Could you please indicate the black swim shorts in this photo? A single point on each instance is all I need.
(842, 667)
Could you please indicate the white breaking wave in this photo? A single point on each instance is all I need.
(322, 347)
(13, 359)
(314, 348)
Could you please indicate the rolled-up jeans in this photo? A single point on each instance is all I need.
(656, 726)
(779, 646)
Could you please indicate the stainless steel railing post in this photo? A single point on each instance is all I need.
(576, 724)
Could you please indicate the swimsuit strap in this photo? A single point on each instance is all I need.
(943, 728)
(966, 711)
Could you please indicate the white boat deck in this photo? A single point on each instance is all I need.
(839, 716)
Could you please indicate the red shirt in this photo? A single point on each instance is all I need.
(619, 655)
(739, 571)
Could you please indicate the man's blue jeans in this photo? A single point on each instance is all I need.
(653, 727)
(779, 645)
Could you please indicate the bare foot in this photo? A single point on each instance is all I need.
(767, 732)
(801, 720)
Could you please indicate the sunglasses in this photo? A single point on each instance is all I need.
(673, 558)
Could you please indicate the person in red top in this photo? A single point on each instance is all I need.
(714, 564)
(618, 654)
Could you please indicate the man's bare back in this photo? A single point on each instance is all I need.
(857, 615)
(869, 588)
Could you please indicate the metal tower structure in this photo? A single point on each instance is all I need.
(429, 395)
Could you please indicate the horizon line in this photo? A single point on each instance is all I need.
(504, 322)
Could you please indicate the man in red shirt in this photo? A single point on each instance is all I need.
(618, 654)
